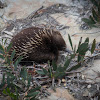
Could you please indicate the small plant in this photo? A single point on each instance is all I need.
(7, 59)
(33, 93)
(54, 71)
(8, 92)
(57, 71)
(15, 85)
(15, 81)
(94, 19)
(81, 51)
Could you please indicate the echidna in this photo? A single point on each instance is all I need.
(38, 44)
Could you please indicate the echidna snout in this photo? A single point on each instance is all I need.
(38, 44)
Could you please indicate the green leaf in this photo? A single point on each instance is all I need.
(9, 47)
(54, 65)
(88, 21)
(98, 9)
(13, 96)
(17, 62)
(4, 91)
(70, 41)
(40, 72)
(5, 41)
(32, 94)
(67, 62)
(93, 46)
(82, 48)
(23, 73)
(8, 60)
(17, 94)
(94, 2)
(80, 41)
(87, 40)
(45, 71)
(1, 56)
(1, 48)
(3, 79)
(10, 74)
(3, 82)
(95, 16)
(29, 80)
(59, 74)
(60, 69)
(50, 72)
(12, 55)
(8, 91)
(80, 58)
(34, 90)
(75, 49)
(2, 52)
(92, 25)
(72, 56)
(10, 78)
(92, 20)
(75, 67)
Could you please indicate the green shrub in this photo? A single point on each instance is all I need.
(57, 71)
(15, 82)
(94, 19)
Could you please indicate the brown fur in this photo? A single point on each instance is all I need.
(38, 44)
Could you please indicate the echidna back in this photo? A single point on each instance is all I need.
(38, 44)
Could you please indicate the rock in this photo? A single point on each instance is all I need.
(86, 93)
(89, 86)
(92, 73)
(61, 94)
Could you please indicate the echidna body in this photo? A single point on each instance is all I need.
(38, 44)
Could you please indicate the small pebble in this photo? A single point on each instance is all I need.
(63, 80)
(69, 81)
(20, 78)
(83, 77)
(64, 84)
(89, 86)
